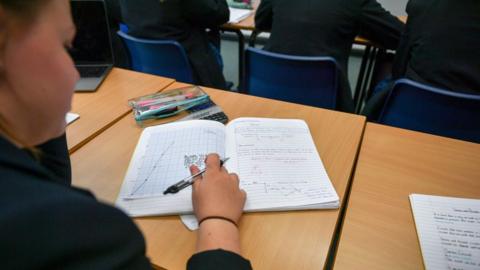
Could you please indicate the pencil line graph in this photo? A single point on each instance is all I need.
(165, 158)
(153, 169)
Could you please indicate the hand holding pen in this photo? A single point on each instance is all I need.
(217, 193)
(188, 181)
(218, 205)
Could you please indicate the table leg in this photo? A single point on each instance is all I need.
(375, 66)
(361, 76)
(366, 79)
(241, 56)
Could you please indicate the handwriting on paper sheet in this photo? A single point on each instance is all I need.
(279, 162)
(449, 231)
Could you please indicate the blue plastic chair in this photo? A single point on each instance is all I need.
(299, 79)
(419, 107)
(160, 57)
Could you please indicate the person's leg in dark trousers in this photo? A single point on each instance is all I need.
(120, 53)
(375, 104)
(344, 95)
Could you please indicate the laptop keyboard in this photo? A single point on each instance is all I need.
(88, 72)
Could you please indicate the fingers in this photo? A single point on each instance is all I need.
(244, 195)
(223, 169)
(234, 177)
(194, 170)
(195, 186)
(212, 162)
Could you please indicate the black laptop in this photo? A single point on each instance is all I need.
(92, 47)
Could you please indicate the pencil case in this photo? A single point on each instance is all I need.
(240, 4)
(167, 103)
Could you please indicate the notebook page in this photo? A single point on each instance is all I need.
(162, 157)
(70, 117)
(278, 165)
(238, 14)
(448, 230)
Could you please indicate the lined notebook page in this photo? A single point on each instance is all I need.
(448, 230)
(278, 165)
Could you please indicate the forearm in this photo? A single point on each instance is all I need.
(379, 26)
(218, 234)
(218, 203)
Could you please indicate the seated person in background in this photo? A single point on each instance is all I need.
(327, 28)
(439, 47)
(120, 52)
(47, 224)
(193, 23)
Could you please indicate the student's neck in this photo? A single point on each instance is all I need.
(10, 138)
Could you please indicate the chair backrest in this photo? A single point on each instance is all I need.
(419, 107)
(300, 79)
(160, 57)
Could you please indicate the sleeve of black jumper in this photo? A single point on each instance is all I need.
(264, 16)
(67, 230)
(55, 158)
(207, 13)
(218, 259)
(379, 26)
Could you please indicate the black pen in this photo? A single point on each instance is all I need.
(188, 181)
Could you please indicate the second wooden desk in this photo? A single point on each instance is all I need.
(379, 231)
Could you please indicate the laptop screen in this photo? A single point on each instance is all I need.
(92, 43)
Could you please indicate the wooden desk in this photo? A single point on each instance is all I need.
(379, 231)
(99, 110)
(282, 240)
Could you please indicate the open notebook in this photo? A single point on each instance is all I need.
(448, 230)
(276, 160)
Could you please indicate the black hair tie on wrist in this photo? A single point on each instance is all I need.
(217, 217)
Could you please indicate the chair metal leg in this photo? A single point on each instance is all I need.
(361, 76)
(241, 56)
(362, 94)
(253, 38)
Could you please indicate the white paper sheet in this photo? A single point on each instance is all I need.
(70, 117)
(448, 230)
(237, 14)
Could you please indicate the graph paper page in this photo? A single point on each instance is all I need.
(162, 158)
